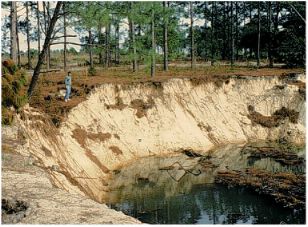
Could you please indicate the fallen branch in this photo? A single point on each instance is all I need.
(78, 44)
(51, 70)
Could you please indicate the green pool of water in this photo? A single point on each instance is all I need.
(180, 190)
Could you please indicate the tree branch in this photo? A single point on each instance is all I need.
(77, 44)
(303, 19)
(62, 36)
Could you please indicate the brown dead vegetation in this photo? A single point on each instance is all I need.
(74, 182)
(275, 120)
(99, 136)
(116, 150)
(47, 98)
(47, 152)
(141, 106)
(116, 136)
(41, 123)
(81, 135)
(217, 80)
(189, 152)
(94, 159)
(281, 155)
(287, 189)
(208, 129)
(119, 104)
(301, 87)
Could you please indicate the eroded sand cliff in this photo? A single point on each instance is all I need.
(120, 123)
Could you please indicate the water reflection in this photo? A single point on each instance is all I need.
(180, 190)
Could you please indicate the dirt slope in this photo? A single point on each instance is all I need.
(28, 197)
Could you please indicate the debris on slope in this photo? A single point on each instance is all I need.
(142, 106)
(13, 210)
(80, 135)
(119, 105)
(282, 156)
(275, 119)
(287, 189)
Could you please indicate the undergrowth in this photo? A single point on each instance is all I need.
(14, 93)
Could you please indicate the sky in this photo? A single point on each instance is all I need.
(34, 44)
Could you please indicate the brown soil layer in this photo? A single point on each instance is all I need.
(80, 135)
(280, 155)
(94, 159)
(142, 106)
(275, 119)
(119, 105)
(287, 189)
(301, 87)
(116, 150)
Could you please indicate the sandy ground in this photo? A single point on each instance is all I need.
(28, 194)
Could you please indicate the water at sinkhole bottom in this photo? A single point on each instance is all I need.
(181, 189)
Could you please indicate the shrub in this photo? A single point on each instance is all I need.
(14, 95)
(91, 71)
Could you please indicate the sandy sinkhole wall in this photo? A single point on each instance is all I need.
(119, 123)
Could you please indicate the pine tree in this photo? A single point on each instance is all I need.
(13, 31)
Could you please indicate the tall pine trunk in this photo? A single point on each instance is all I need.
(133, 50)
(38, 28)
(224, 36)
(90, 49)
(232, 34)
(107, 45)
(236, 46)
(117, 47)
(37, 69)
(13, 31)
(28, 36)
(259, 35)
(18, 46)
(132, 41)
(244, 25)
(250, 19)
(275, 25)
(192, 38)
(101, 42)
(65, 44)
(46, 24)
(153, 42)
(49, 50)
(269, 50)
(165, 37)
(212, 34)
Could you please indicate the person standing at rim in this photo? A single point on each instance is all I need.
(68, 85)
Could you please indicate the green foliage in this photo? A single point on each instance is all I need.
(14, 93)
(7, 116)
(283, 40)
(72, 50)
(91, 71)
(291, 50)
